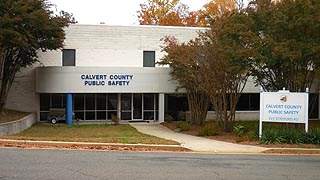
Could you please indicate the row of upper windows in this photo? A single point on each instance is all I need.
(69, 58)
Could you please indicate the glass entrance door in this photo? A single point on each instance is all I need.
(137, 107)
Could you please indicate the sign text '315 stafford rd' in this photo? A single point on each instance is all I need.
(106, 80)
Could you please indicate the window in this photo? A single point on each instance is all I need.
(44, 102)
(48, 101)
(313, 105)
(248, 102)
(44, 106)
(149, 106)
(112, 105)
(78, 106)
(68, 57)
(58, 101)
(126, 106)
(149, 58)
(90, 106)
(90, 101)
(174, 104)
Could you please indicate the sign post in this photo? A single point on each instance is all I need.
(284, 107)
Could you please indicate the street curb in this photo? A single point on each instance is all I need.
(297, 151)
(293, 151)
(86, 143)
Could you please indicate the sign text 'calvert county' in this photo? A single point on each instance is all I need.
(106, 80)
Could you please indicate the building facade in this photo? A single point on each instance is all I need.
(111, 71)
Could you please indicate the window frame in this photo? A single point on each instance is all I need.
(64, 57)
(146, 55)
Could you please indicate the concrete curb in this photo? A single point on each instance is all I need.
(85, 143)
(18, 125)
(293, 151)
(269, 151)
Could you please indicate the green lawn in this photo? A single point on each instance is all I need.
(88, 133)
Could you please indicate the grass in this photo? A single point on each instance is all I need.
(88, 133)
(8, 115)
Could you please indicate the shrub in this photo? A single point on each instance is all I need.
(184, 126)
(252, 135)
(239, 129)
(168, 118)
(181, 116)
(293, 136)
(209, 129)
(313, 136)
(272, 135)
(284, 135)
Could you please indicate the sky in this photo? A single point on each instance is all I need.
(111, 12)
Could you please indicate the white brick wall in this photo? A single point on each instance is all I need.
(109, 58)
(22, 95)
(120, 46)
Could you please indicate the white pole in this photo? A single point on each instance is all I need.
(307, 110)
(261, 113)
(161, 107)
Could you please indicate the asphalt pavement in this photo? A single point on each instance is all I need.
(41, 164)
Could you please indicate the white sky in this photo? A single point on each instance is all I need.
(112, 12)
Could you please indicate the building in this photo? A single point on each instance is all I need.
(105, 71)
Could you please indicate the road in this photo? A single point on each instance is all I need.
(73, 164)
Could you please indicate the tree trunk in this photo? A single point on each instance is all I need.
(198, 105)
(9, 66)
(3, 94)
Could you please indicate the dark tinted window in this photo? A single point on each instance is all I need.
(313, 105)
(90, 102)
(149, 58)
(112, 101)
(125, 102)
(78, 101)
(57, 101)
(244, 102)
(68, 57)
(249, 102)
(44, 102)
(148, 101)
(101, 101)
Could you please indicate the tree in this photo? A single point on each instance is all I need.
(215, 9)
(163, 12)
(288, 47)
(183, 59)
(215, 64)
(25, 28)
(174, 13)
(224, 68)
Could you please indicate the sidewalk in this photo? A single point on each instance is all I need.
(194, 143)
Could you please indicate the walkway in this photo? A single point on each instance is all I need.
(195, 143)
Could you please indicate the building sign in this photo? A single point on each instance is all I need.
(283, 106)
(106, 80)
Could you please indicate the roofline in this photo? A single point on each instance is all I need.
(142, 26)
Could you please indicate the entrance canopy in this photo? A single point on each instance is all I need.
(104, 80)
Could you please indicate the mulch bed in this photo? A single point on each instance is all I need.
(94, 147)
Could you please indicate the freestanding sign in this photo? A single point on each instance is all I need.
(284, 107)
